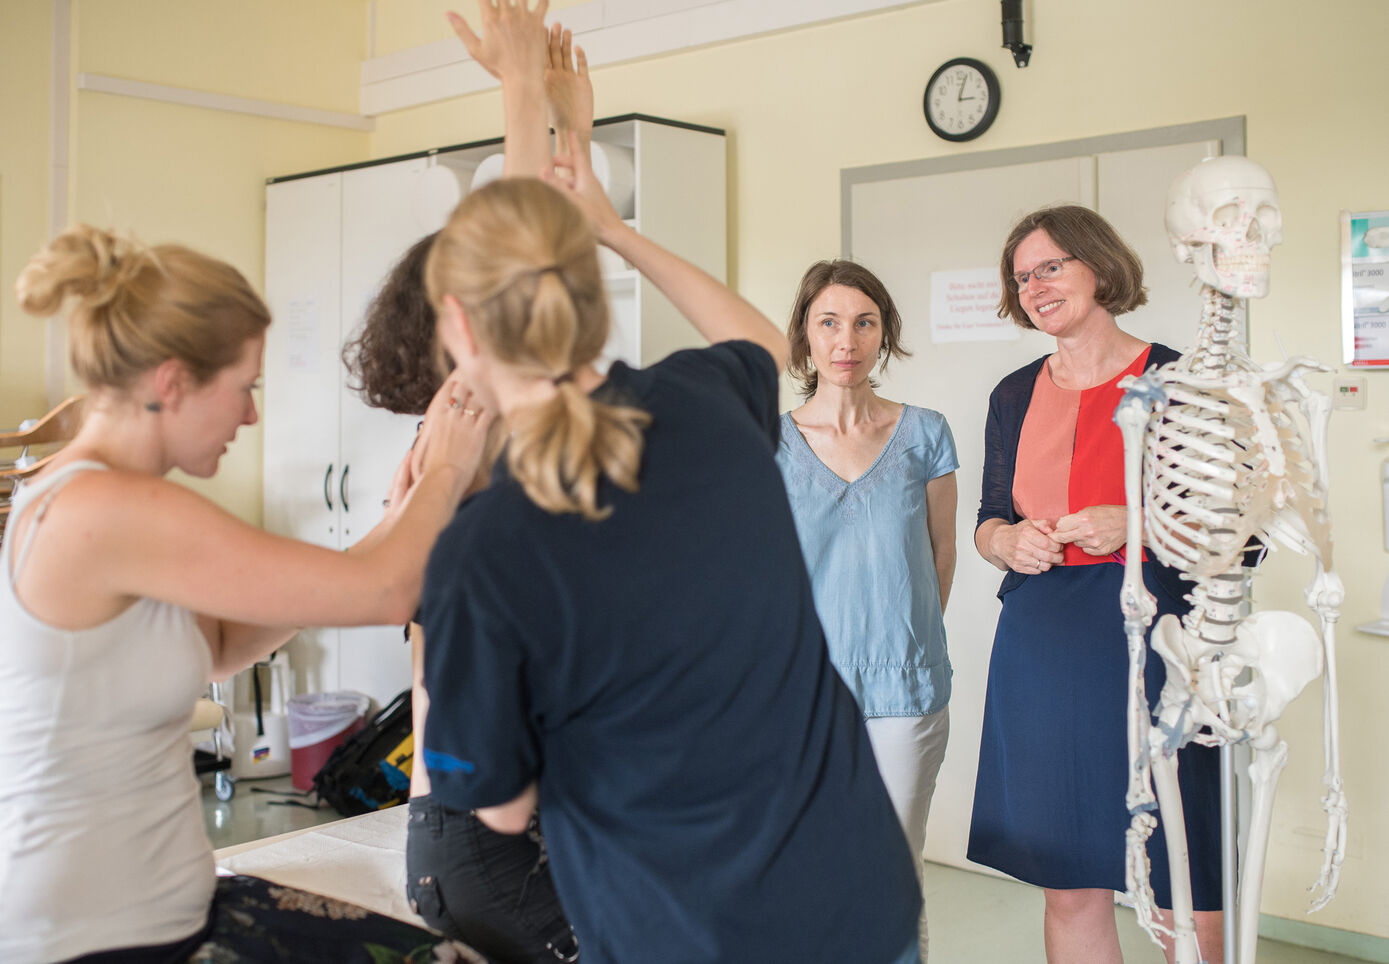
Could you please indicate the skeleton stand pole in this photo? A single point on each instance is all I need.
(1229, 851)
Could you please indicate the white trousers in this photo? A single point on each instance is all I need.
(909, 751)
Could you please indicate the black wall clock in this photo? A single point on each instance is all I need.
(961, 99)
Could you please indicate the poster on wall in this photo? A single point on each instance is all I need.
(1365, 288)
(964, 307)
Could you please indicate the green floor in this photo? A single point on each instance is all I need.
(980, 918)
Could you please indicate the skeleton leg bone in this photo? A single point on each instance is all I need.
(1270, 756)
(1283, 653)
(1169, 794)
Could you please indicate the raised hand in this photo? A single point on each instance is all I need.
(573, 174)
(514, 42)
(515, 48)
(568, 89)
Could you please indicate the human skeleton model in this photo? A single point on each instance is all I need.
(1224, 451)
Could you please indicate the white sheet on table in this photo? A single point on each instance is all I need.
(360, 860)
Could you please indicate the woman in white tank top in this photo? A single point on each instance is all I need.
(122, 594)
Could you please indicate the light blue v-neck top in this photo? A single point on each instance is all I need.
(871, 564)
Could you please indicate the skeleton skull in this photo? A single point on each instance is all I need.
(1222, 218)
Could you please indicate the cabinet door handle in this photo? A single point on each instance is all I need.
(327, 486)
(342, 488)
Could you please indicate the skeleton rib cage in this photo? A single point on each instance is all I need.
(1219, 471)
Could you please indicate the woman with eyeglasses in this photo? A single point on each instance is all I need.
(1049, 799)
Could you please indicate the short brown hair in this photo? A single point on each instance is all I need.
(392, 360)
(818, 277)
(1086, 236)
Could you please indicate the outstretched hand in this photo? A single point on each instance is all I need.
(514, 43)
(454, 434)
(568, 88)
(573, 174)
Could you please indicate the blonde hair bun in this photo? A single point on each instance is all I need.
(83, 262)
(137, 306)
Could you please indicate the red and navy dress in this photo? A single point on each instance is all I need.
(1053, 761)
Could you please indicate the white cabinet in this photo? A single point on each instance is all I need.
(330, 239)
(681, 203)
(329, 458)
(679, 199)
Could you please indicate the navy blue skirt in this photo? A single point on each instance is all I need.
(1053, 759)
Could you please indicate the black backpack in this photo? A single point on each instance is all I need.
(371, 769)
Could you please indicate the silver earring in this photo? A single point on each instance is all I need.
(153, 407)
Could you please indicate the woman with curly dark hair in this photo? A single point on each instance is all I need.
(392, 361)
(394, 365)
(490, 889)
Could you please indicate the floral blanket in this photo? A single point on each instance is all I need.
(254, 921)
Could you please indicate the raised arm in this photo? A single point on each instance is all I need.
(569, 91)
(716, 311)
(514, 47)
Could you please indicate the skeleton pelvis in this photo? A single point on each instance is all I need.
(1248, 682)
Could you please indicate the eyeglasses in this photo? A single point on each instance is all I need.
(1043, 272)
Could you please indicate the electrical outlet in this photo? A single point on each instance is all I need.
(1348, 393)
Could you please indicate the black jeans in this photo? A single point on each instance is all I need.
(488, 889)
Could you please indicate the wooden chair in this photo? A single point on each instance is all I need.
(51, 431)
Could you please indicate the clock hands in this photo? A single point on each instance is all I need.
(961, 95)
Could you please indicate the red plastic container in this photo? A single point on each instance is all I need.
(318, 724)
(306, 761)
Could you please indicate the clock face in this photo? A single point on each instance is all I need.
(961, 100)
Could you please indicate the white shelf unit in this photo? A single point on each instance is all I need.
(331, 236)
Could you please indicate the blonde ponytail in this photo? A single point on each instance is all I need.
(523, 263)
(137, 306)
(560, 448)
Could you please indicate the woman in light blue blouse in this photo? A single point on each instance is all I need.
(872, 488)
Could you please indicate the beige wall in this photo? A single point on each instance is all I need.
(161, 171)
(24, 72)
(197, 176)
(802, 105)
(799, 107)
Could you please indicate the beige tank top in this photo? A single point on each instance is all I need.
(101, 834)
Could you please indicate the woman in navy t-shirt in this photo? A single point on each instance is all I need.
(621, 628)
